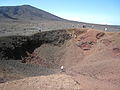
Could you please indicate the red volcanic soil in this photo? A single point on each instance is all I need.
(91, 59)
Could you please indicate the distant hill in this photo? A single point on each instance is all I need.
(25, 12)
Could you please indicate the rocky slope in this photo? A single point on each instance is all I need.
(15, 51)
(25, 12)
(90, 55)
(15, 47)
(91, 58)
(95, 55)
(52, 82)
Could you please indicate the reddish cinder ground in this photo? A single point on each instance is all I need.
(91, 60)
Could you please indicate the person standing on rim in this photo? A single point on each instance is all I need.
(105, 29)
(84, 26)
(62, 69)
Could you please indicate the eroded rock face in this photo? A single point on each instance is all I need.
(99, 35)
(15, 47)
(106, 42)
(85, 45)
(34, 58)
(116, 51)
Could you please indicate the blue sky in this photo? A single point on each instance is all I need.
(91, 11)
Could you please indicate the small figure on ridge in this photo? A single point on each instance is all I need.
(62, 68)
